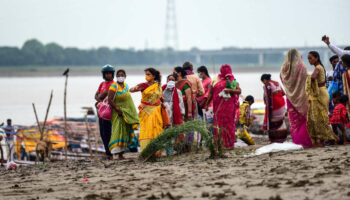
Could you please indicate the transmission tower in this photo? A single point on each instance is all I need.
(171, 26)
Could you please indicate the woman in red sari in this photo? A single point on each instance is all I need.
(224, 110)
(275, 109)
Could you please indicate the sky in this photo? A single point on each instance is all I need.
(204, 24)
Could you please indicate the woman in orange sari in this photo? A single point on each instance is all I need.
(151, 122)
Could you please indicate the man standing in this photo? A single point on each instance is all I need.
(333, 60)
(9, 130)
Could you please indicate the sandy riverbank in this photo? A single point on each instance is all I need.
(321, 173)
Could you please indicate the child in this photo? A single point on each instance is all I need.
(229, 85)
(335, 100)
(245, 120)
(339, 118)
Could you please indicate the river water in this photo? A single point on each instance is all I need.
(18, 94)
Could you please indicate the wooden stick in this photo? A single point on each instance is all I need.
(37, 121)
(47, 113)
(88, 132)
(96, 142)
(95, 132)
(65, 116)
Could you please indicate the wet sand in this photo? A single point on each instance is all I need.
(321, 173)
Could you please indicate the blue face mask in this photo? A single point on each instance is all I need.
(200, 76)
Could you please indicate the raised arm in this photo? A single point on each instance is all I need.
(338, 51)
(137, 88)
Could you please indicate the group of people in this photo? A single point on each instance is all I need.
(317, 104)
(314, 119)
(184, 96)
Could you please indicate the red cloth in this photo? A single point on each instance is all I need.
(185, 99)
(226, 71)
(177, 117)
(272, 102)
(339, 115)
(104, 86)
(144, 86)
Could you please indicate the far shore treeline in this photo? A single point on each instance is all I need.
(34, 53)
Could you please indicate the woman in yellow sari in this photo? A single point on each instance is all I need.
(317, 117)
(151, 122)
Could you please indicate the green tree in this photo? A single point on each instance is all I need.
(54, 54)
(34, 52)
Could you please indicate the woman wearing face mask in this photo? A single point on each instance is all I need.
(206, 82)
(124, 116)
(151, 122)
(174, 105)
(173, 101)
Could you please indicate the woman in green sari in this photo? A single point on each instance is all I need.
(124, 116)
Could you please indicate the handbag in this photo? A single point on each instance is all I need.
(165, 117)
(105, 110)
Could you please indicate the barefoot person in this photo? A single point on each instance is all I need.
(189, 102)
(293, 76)
(173, 101)
(317, 118)
(275, 109)
(124, 116)
(101, 93)
(224, 109)
(151, 122)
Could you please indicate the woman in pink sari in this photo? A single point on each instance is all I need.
(224, 109)
(293, 76)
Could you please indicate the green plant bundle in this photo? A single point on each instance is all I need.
(165, 139)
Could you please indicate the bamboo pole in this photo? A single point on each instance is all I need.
(65, 113)
(47, 113)
(37, 121)
(96, 130)
(88, 132)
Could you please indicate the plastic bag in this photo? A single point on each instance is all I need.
(275, 147)
(332, 87)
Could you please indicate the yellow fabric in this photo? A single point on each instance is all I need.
(151, 95)
(321, 78)
(317, 118)
(346, 86)
(242, 114)
(143, 144)
(244, 135)
(151, 122)
(114, 87)
(32, 136)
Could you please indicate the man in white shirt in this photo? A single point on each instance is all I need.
(338, 51)
(339, 68)
(333, 60)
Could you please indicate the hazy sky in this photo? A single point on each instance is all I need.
(206, 24)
